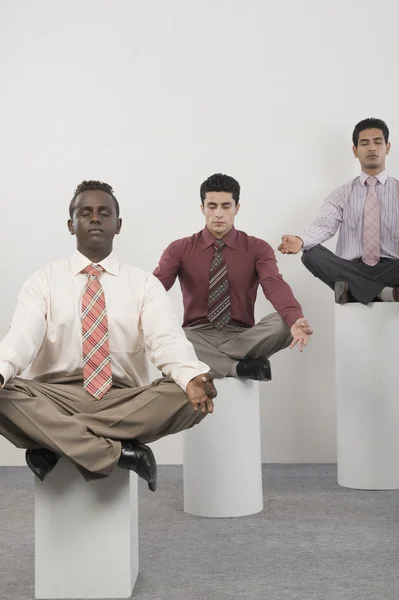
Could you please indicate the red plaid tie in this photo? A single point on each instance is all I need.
(219, 305)
(97, 376)
(371, 225)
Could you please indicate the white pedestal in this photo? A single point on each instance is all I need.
(367, 387)
(86, 535)
(222, 455)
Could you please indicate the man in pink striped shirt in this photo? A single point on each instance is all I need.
(365, 210)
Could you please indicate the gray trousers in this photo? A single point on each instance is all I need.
(220, 349)
(63, 417)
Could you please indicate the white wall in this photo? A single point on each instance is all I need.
(154, 97)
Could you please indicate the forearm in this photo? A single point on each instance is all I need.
(165, 341)
(327, 222)
(289, 310)
(17, 350)
(315, 235)
(174, 355)
(183, 373)
(280, 294)
(276, 290)
(25, 336)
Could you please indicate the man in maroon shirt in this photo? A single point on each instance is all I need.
(219, 270)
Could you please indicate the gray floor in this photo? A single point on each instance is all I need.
(313, 541)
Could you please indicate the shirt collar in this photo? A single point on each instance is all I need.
(230, 239)
(382, 177)
(110, 263)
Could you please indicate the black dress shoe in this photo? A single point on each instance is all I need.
(41, 461)
(255, 368)
(139, 458)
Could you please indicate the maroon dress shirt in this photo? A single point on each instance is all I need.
(250, 261)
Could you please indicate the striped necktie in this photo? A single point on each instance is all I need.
(371, 225)
(97, 376)
(219, 304)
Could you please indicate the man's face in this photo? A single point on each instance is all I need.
(371, 150)
(219, 210)
(94, 220)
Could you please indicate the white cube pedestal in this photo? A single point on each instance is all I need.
(222, 455)
(367, 388)
(86, 535)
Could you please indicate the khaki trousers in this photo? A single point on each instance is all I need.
(63, 417)
(220, 349)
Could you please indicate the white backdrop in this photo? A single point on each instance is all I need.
(153, 98)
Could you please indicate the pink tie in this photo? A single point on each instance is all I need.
(371, 225)
(97, 376)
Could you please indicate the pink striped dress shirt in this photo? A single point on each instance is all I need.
(344, 209)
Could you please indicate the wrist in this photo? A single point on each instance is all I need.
(300, 239)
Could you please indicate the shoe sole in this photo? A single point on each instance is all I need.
(33, 468)
(152, 482)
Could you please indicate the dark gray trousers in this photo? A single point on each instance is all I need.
(364, 282)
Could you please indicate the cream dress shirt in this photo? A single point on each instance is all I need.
(46, 333)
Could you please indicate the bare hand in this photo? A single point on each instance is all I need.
(301, 331)
(291, 244)
(201, 392)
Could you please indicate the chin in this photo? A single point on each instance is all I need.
(94, 243)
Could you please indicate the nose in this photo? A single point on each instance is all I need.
(95, 217)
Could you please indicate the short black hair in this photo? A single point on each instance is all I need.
(220, 183)
(92, 185)
(370, 124)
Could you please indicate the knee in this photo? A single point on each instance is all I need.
(197, 417)
(280, 333)
(181, 401)
(280, 327)
(192, 416)
(283, 332)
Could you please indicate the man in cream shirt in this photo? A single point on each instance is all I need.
(84, 326)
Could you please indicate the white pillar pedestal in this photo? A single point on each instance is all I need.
(86, 535)
(367, 388)
(222, 455)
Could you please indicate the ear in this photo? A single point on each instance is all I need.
(388, 147)
(70, 227)
(118, 225)
(237, 208)
(355, 152)
(202, 208)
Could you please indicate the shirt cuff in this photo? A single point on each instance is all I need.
(187, 374)
(307, 242)
(293, 318)
(7, 372)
